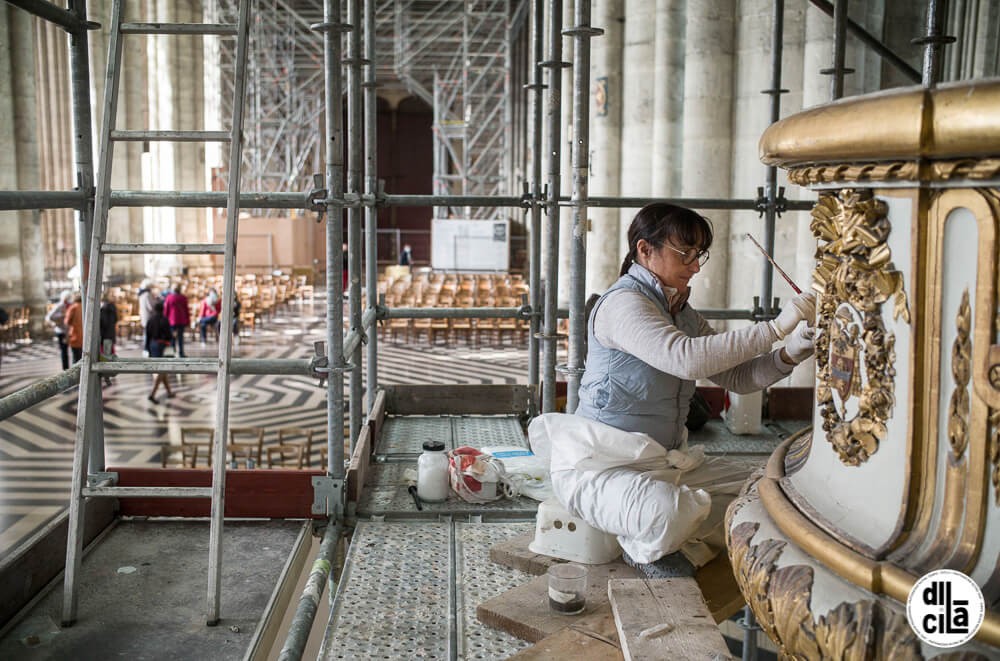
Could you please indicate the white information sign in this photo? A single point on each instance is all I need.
(470, 245)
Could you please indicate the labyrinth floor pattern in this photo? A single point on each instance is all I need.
(36, 446)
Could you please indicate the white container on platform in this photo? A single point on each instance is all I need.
(743, 412)
(560, 535)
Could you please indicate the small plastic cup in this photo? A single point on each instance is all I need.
(567, 588)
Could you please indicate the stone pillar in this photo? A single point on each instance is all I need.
(708, 92)
(59, 227)
(22, 267)
(638, 64)
(668, 99)
(603, 257)
(177, 105)
(124, 223)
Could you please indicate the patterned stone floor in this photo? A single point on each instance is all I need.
(36, 445)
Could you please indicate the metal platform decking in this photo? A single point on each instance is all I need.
(410, 589)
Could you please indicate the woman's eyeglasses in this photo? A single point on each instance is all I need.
(691, 255)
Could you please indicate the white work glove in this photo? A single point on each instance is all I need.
(800, 308)
(799, 344)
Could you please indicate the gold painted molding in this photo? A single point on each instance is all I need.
(961, 368)
(855, 274)
(954, 122)
(876, 576)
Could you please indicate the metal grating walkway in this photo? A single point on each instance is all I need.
(409, 590)
(385, 494)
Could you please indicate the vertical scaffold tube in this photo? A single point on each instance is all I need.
(839, 49)
(354, 182)
(933, 42)
(535, 127)
(553, 112)
(371, 188)
(770, 213)
(580, 155)
(333, 83)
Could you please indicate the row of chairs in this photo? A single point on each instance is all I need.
(17, 328)
(293, 449)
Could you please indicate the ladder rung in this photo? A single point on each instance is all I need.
(148, 492)
(165, 366)
(179, 28)
(164, 248)
(172, 136)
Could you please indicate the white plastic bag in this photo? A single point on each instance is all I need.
(526, 472)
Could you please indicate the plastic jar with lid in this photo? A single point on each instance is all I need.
(432, 473)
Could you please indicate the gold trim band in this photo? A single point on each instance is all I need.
(878, 577)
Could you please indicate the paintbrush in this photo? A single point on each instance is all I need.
(774, 264)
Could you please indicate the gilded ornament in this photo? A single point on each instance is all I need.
(855, 355)
(781, 599)
(995, 453)
(961, 368)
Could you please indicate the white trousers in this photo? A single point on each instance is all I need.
(655, 513)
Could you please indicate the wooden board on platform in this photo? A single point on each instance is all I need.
(595, 640)
(716, 580)
(376, 417)
(514, 553)
(664, 618)
(360, 465)
(268, 494)
(720, 589)
(524, 611)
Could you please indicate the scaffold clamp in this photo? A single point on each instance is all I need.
(328, 496)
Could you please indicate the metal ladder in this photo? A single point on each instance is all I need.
(88, 448)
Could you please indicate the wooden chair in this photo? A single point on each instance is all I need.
(299, 453)
(247, 449)
(196, 442)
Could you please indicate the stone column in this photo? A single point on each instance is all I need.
(22, 266)
(638, 64)
(603, 257)
(708, 97)
(668, 99)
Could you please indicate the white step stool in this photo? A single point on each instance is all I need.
(561, 535)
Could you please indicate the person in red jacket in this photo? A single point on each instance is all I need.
(177, 312)
(74, 326)
(208, 314)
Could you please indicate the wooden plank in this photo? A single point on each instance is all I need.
(598, 641)
(458, 400)
(719, 588)
(514, 553)
(664, 618)
(524, 611)
(357, 471)
(268, 494)
(376, 417)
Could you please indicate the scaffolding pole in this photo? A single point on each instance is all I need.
(331, 27)
(553, 109)
(371, 189)
(354, 63)
(771, 187)
(535, 233)
(580, 162)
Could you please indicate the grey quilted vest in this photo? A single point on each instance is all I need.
(620, 390)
